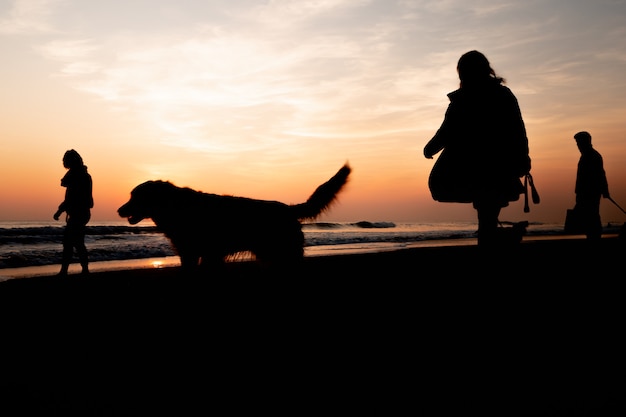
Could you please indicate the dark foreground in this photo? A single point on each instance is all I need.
(448, 331)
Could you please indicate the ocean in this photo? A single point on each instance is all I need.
(34, 248)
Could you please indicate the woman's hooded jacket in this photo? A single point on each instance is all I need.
(485, 147)
(78, 192)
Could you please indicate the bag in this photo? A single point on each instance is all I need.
(573, 223)
(450, 180)
(511, 236)
(528, 180)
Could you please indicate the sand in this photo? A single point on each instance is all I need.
(536, 330)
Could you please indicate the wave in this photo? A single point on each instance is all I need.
(374, 225)
(41, 245)
(54, 233)
(360, 224)
(35, 245)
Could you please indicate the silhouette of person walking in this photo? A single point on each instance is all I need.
(484, 146)
(591, 184)
(77, 206)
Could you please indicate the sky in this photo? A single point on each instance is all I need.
(268, 99)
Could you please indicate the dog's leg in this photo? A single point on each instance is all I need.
(189, 263)
(212, 265)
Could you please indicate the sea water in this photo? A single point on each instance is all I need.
(38, 244)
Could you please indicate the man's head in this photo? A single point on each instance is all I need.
(583, 138)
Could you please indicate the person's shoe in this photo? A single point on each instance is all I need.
(65, 266)
(84, 264)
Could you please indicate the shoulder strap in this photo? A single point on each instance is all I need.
(528, 180)
(526, 206)
(535, 194)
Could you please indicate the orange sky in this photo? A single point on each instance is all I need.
(269, 99)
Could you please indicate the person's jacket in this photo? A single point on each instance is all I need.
(483, 127)
(590, 177)
(78, 191)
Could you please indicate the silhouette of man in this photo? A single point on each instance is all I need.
(77, 204)
(591, 184)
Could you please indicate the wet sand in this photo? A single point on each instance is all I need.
(436, 331)
(310, 252)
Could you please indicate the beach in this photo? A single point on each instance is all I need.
(429, 331)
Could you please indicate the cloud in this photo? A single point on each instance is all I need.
(67, 50)
(247, 75)
(208, 85)
(28, 17)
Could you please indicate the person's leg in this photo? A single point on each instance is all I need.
(75, 238)
(68, 250)
(487, 223)
(596, 228)
(81, 251)
(590, 213)
(594, 231)
(79, 243)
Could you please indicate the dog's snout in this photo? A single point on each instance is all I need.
(123, 210)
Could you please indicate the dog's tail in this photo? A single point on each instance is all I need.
(323, 197)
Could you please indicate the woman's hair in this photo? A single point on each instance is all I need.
(72, 159)
(474, 68)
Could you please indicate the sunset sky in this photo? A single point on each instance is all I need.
(268, 99)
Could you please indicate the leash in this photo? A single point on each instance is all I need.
(528, 180)
(613, 201)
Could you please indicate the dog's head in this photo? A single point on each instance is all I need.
(146, 201)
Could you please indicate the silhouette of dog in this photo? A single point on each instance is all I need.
(205, 229)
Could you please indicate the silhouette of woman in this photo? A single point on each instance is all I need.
(484, 137)
(77, 205)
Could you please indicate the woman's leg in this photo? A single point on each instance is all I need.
(488, 214)
(75, 238)
(68, 249)
(81, 251)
